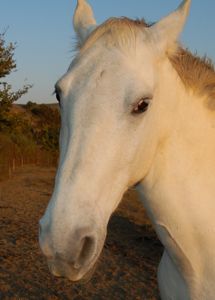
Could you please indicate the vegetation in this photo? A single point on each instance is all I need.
(28, 133)
(7, 65)
(45, 125)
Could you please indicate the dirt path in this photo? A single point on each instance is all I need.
(127, 267)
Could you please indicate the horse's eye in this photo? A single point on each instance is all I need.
(141, 106)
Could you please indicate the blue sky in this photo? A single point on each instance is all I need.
(44, 34)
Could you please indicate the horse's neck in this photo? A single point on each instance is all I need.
(179, 189)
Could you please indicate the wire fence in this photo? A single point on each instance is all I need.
(13, 158)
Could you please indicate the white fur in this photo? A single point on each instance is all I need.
(105, 149)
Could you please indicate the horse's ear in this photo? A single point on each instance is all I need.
(83, 20)
(167, 31)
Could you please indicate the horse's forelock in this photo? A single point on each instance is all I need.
(119, 32)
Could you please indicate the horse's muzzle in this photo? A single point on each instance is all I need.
(74, 258)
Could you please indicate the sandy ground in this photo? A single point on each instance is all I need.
(126, 269)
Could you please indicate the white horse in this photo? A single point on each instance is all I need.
(139, 110)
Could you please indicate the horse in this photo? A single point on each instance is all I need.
(138, 110)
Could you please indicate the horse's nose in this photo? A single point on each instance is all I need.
(79, 246)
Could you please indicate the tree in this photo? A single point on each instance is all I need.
(7, 65)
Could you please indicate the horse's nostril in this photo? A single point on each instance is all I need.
(86, 251)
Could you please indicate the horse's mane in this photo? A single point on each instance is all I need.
(195, 72)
